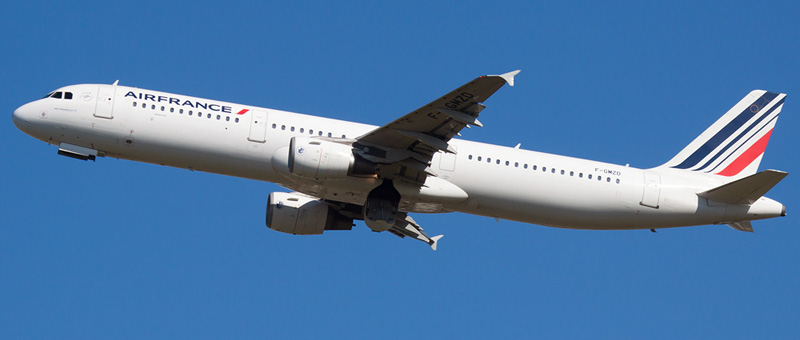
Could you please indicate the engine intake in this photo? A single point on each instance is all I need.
(298, 214)
(320, 159)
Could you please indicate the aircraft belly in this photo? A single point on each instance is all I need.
(562, 203)
(215, 151)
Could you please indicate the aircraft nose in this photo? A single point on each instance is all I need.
(21, 117)
(17, 118)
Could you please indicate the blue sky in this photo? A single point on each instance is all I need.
(117, 249)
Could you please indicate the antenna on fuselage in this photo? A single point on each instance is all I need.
(115, 82)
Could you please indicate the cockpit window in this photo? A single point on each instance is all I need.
(58, 95)
(48, 95)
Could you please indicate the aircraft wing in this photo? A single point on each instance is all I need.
(410, 141)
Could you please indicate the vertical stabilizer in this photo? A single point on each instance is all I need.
(734, 144)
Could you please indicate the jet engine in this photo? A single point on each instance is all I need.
(320, 159)
(299, 214)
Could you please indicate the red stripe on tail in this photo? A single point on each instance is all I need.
(747, 157)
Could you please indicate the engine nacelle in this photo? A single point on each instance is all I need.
(298, 214)
(320, 159)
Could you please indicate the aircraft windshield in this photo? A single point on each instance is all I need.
(59, 95)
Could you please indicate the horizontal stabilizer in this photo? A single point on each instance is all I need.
(742, 226)
(746, 190)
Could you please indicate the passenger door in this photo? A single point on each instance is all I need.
(652, 189)
(258, 126)
(105, 102)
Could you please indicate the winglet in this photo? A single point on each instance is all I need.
(509, 77)
(434, 240)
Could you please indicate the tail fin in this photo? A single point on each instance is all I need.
(734, 144)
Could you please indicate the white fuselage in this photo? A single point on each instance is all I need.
(500, 182)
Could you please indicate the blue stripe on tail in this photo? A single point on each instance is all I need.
(727, 131)
(744, 133)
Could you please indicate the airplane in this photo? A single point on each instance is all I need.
(339, 171)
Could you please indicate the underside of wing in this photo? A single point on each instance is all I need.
(406, 146)
(395, 158)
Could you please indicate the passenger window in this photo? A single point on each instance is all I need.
(172, 109)
(498, 161)
(320, 133)
(608, 179)
(57, 95)
(544, 169)
(180, 111)
(273, 125)
(310, 132)
(470, 157)
(344, 136)
(590, 176)
(600, 178)
(144, 105)
(227, 118)
(67, 95)
(617, 180)
(572, 173)
(237, 119)
(302, 130)
(135, 104)
(292, 129)
(330, 134)
(153, 107)
(218, 117)
(507, 163)
(209, 116)
(516, 164)
(488, 160)
(283, 127)
(580, 175)
(190, 112)
(479, 158)
(562, 172)
(162, 108)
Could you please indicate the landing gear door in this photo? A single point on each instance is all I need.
(652, 189)
(105, 102)
(258, 126)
